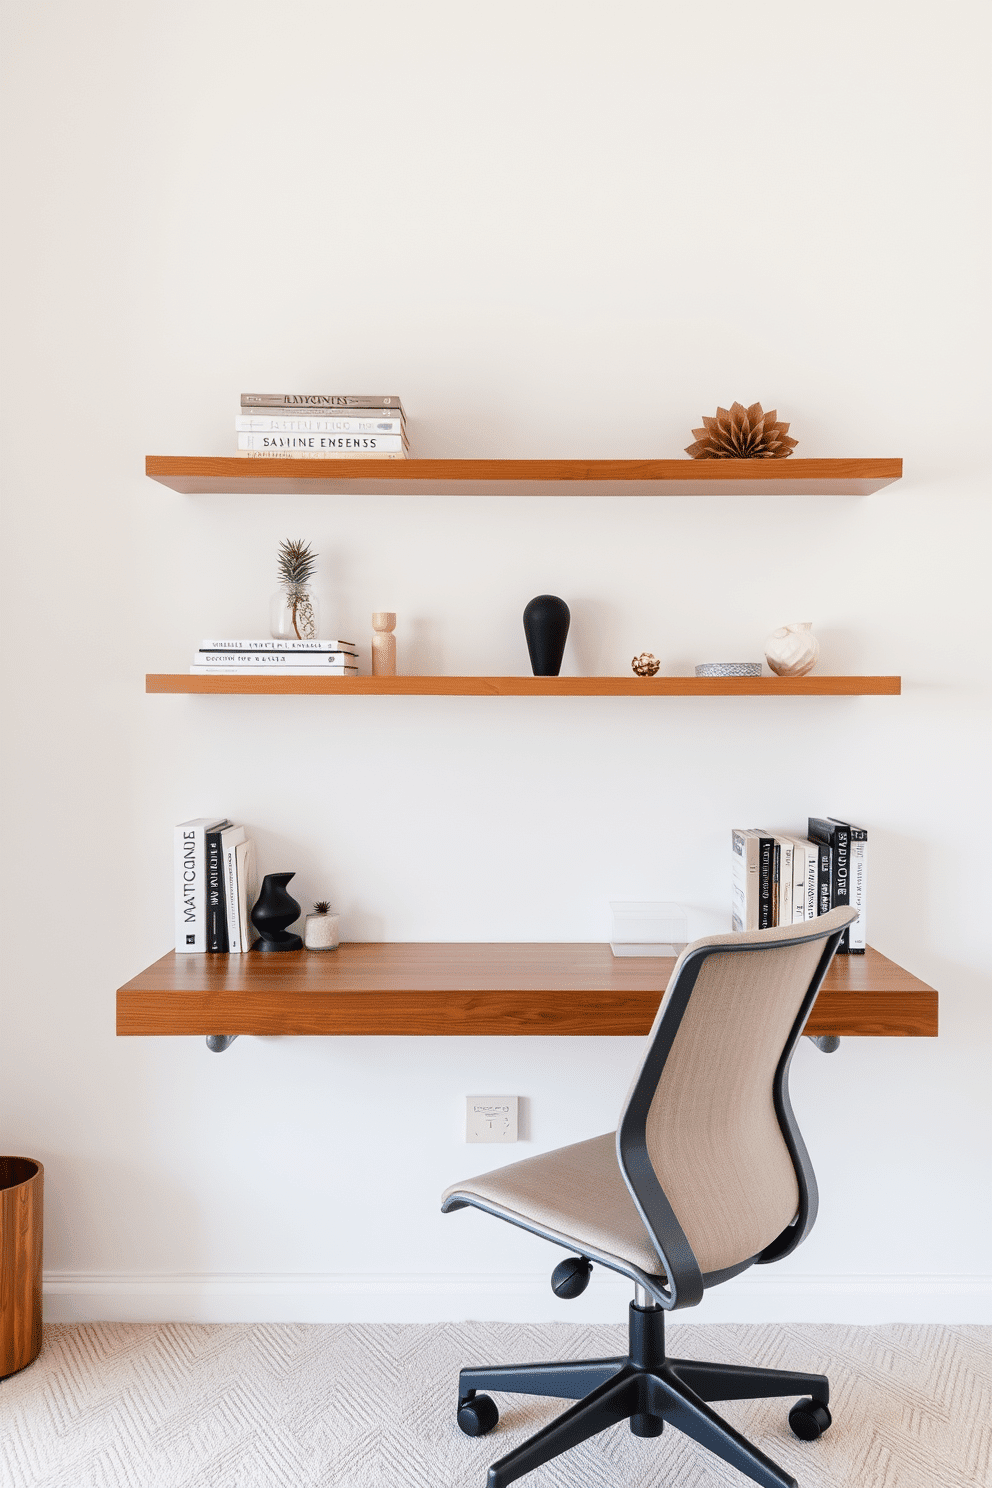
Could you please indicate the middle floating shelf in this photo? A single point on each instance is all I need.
(529, 686)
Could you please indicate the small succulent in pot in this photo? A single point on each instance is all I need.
(320, 933)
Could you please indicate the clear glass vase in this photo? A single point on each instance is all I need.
(294, 615)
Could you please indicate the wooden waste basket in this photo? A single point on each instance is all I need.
(22, 1182)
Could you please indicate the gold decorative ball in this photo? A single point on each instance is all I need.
(645, 665)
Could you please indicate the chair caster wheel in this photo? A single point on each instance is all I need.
(478, 1416)
(809, 1419)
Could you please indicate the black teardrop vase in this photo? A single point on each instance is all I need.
(546, 621)
(274, 910)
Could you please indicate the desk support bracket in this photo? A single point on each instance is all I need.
(827, 1043)
(218, 1042)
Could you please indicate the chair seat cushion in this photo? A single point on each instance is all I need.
(576, 1194)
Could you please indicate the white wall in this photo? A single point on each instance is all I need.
(555, 230)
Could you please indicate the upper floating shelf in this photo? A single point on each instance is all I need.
(530, 686)
(233, 475)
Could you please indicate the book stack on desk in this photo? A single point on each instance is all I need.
(285, 658)
(784, 878)
(322, 426)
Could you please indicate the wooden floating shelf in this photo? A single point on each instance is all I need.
(270, 685)
(236, 475)
(418, 988)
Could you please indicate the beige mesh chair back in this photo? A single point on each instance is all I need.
(707, 1141)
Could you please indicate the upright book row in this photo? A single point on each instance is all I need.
(781, 878)
(216, 886)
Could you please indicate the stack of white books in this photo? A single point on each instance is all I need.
(289, 658)
(316, 426)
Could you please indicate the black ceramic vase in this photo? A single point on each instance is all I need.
(546, 626)
(274, 910)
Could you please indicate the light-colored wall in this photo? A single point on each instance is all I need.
(555, 230)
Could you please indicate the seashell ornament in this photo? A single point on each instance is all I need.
(645, 665)
(792, 650)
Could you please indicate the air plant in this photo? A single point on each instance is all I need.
(297, 565)
(322, 906)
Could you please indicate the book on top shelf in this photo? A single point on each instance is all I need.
(276, 454)
(321, 400)
(324, 444)
(232, 669)
(304, 423)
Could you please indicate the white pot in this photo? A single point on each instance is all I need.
(793, 650)
(320, 932)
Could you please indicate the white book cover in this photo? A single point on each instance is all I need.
(786, 851)
(247, 893)
(270, 645)
(229, 839)
(859, 893)
(324, 444)
(285, 454)
(811, 853)
(191, 884)
(248, 671)
(275, 660)
(746, 884)
(799, 881)
(254, 423)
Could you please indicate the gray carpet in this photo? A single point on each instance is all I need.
(296, 1406)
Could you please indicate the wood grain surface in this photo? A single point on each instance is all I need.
(182, 682)
(22, 1182)
(219, 474)
(422, 988)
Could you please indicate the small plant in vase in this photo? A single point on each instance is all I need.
(295, 611)
(320, 933)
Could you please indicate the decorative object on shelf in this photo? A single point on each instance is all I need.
(320, 931)
(739, 433)
(645, 665)
(792, 650)
(274, 910)
(383, 644)
(729, 669)
(546, 622)
(294, 608)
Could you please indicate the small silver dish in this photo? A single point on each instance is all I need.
(729, 669)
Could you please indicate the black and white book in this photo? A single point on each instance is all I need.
(268, 644)
(325, 444)
(191, 883)
(276, 660)
(858, 880)
(216, 911)
(837, 836)
(303, 423)
(320, 400)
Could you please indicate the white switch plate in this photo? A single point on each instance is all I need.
(490, 1118)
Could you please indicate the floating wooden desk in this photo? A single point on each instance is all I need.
(282, 684)
(420, 988)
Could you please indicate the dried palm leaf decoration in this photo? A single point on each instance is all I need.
(739, 433)
(297, 565)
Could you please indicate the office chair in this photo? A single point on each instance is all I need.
(706, 1175)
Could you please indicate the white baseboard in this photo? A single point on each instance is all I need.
(72, 1297)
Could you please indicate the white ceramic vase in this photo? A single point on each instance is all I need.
(320, 932)
(792, 650)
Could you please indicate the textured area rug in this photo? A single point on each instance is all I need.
(289, 1406)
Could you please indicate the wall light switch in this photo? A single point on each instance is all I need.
(490, 1118)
